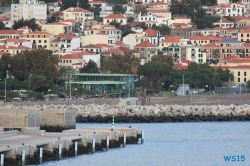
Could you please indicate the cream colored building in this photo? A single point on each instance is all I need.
(92, 39)
(39, 39)
(56, 28)
(77, 13)
(244, 36)
(119, 18)
(28, 9)
(108, 30)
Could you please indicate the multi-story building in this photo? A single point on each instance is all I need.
(170, 46)
(10, 34)
(150, 35)
(224, 23)
(28, 9)
(68, 43)
(119, 18)
(244, 35)
(210, 50)
(56, 28)
(146, 50)
(105, 30)
(77, 13)
(39, 39)
(6, 22)
(231, 47)
(202, 40)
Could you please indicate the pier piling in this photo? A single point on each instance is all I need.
(107, 143)
(76, 148)
(2, 160)
(23, 158)
(60, 151)
(142, 137)
(41, 155)
(93, 145)
(124, 140)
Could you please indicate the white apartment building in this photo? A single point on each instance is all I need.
(28, 9)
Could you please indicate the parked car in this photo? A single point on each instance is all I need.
(211, 92)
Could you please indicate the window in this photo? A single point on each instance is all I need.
(107, 21)
(238, 73)
(45, 46)
(39, 41)
(245, 74)
(44, 36)
(247, 35)
(51, 45)
(45, 41)
(91, 32)
(38, 36)
(27, 36)
(245, 80)
(121, 21)
(238, 79)
(241, 35)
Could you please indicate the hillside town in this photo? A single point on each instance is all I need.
(207, 32)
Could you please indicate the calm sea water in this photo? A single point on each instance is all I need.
(174, 144)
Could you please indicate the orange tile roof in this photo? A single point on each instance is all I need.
(76, 10)
(119, 43)
(10, 32)
(19, 47)
(224, 21)
(158, 10)
(245, 31)
(180, 66)
(150, 32)
(179, 24)
(171, 39)
(113, 51)
(38, 33)
(59, 13)
(120, 16)
(76, 55)
(211, 45)
(145, 44)
(24, 28)
(91, 46)
(103, 45)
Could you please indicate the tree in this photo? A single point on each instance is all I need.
(163, 29)
(155, 72)
(116, 24)
(130, 19)
(52, 19)
(140, 9)
(134, 66)
(216, 55)
(30, 23)
(248, 85)
(2, 25)
(85, 4)
(118, 9)
(91, 67)
(119, 64)
(38, 62)
(163, 58)
(95, 11)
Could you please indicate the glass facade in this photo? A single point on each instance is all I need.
(120, 85)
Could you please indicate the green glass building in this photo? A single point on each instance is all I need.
(114, 85)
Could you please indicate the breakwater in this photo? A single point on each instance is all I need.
(162, 113)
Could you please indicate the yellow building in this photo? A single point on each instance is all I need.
(39, 39)
(77, 13)
(244, 35)
(57, 28)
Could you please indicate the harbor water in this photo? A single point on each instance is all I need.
(174, 144)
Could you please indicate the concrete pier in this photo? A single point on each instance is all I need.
(24, 147)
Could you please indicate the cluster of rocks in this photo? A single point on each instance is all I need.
(156, 113)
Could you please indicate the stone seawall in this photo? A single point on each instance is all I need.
(225, 99)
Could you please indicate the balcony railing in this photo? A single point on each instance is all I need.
(193, 57)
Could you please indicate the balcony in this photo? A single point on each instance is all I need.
(193, 52)
(176, 57)
(193, 57)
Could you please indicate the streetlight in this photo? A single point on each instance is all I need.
(49, 93)
(183, 82)
(171, 86)
(76, 90)
(206, 87)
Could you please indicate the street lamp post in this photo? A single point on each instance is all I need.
(206, 88)
(171, 86)
(183, 82)
(76, 91)
(49, 93)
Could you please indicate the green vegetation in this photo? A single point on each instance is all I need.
(30, 23)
